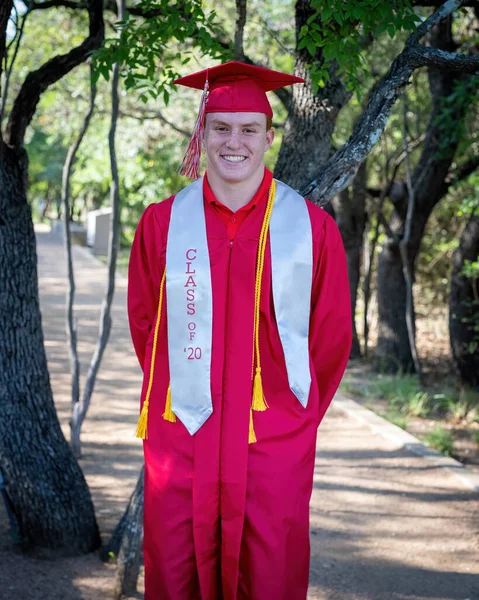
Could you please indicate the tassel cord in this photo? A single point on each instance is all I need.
(259, 276)
(259, 401)
(142, 428)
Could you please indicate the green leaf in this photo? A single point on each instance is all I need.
(312, 48)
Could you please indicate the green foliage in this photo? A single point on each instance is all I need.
(397, 418)
(339, 29)
(453, 134)
(440, 439)
(399, 389)
(353, 388)
(149, 51)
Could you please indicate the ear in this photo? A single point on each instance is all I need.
(269, 139)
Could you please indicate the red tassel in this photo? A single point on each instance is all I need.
(191, 161)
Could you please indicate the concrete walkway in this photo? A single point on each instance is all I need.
(385, 523)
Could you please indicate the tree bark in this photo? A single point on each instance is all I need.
(464, 307)
(312, 117)
(44, 482)
(241, 6)
(129, 556)
(430, 182)
(350, 212)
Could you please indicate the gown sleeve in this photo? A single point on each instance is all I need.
(331, 325)
(144, 280)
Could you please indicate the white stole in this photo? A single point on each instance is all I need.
(189, 298)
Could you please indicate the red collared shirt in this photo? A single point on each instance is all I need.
(233, 220)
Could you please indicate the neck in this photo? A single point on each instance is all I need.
(235, 195)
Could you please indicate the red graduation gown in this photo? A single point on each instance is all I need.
(225, 519)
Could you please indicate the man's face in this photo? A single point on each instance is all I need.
(235, 144)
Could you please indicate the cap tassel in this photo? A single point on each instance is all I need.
(169, 415)
(191, 161)
(252, 435)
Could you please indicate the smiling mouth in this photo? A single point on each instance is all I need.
(234, 159)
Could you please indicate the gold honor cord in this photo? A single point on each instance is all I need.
(259, 402)
(142, 427)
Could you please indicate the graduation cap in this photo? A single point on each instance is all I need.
(231, 87)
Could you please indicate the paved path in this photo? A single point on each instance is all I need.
(385, 523)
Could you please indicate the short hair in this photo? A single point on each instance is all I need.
(269, 122)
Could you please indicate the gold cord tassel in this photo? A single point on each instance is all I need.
(252, 436)
(169, 415)
(259, 401)
(141, 428)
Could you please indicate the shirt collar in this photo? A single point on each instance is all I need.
(260, 194)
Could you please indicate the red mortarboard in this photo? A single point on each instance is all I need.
(231, 87)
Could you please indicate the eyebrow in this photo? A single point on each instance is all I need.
(252, 124)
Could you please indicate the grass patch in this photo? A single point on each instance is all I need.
(355, 389)
(396, 418)
(441, 440)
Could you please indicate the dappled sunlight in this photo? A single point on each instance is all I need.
(372, 499)
(111, 455)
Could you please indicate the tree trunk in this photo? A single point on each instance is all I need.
(464, 307)
(350, 213)
(311, 117)
(129, 556)
(44, 482)
(430, 182)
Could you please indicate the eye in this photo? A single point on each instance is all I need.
(220, 128)
(249, 130)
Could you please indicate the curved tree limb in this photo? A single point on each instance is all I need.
(9, 67)
(5, 12)
(339, 170)
(80, 409)
(71, 323)
(53, 70)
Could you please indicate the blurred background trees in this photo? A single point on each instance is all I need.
(427, 154)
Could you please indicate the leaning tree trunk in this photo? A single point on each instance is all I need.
(44, 482)
(464, 307)
(312, 117)
(350, 212)
(430, 181)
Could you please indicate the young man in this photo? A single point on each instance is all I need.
(240, 316)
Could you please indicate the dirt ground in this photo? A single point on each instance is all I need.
(385, 524)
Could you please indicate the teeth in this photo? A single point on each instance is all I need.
(235, 158)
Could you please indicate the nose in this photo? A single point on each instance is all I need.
(233, 140)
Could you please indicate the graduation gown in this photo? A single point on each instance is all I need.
(224, 519)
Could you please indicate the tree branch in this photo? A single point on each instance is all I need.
(464, 170)
(240, 25)
(342, 166)
(9, 67)
(5, 12)
(38, 81)
(438, 15)
(436, 3)
(56, 4)
(155, 114)
(452, 61)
